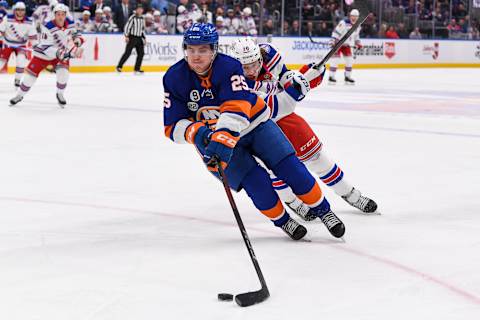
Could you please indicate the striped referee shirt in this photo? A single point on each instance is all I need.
(135, 26)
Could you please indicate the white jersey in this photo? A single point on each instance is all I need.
(55, 38)
(232, 25)
(271, 81)
(41, 15)
(16, 33)
(342, 28)
(248, 26)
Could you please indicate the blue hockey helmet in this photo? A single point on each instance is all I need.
(201, 33)
(4, 4)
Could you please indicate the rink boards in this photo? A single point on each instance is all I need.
(102, 52)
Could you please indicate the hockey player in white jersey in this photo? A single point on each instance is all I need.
(346, 49)
(60, 42)
(282, 89)
(16, 30)
(42, 13)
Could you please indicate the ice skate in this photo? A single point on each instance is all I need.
(294, 229)
(302, 210)
(355, 199)
(15, 100)
(61, 100)
(334, 225)
(349, 81)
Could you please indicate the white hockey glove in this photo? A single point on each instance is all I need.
(77, 42)
(296, 85)
(63, 54)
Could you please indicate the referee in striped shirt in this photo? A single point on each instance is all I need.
(135, 38)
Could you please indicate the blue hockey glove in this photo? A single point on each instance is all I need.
(199, 135)
(222, 143)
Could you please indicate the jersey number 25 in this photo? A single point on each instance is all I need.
(238, 83)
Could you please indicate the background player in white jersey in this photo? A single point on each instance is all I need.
(41, 14)
(345, 50)
(282, 88)
(60, 42)
(16, 30)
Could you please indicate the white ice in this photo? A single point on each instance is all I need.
(102, 217)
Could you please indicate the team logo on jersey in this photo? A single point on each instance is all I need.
(195, 95)
(432, 50)
(207, 93)
(389, 49)
(208, 115)
(192, 106)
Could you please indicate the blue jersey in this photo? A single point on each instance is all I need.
(221, 99)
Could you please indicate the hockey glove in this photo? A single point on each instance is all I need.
(198, 134)
(77, 42)
(220, 148)
(314, 73)
(63, 54)
(297, 86)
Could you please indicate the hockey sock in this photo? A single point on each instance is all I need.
(348, 66)
(283, 190)
(259, 188)
(62, 78)
(21, 64)
(333, 67)
(330, 174)
(2, 63)
(303, 184)
(18, 73)
(27, 82)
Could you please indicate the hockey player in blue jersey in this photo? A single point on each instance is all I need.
(208, 104)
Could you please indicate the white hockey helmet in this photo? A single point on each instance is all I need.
(60, 7)
(19, 6)
(107, 9)
(354, 13)
(246, 50)
(156, 13)
(247, 11)
(181, 9)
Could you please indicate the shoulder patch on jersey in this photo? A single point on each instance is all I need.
(50, 25)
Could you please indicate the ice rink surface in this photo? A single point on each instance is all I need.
(102, 217)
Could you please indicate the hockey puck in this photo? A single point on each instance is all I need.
(225, 297)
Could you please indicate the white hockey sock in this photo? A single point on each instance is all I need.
(333, 67)
(22, 62)
(348, 66)
(62, 79)
(27, 82)
(285, 193)
(329, 173)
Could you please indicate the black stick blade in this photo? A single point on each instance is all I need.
(250, 298)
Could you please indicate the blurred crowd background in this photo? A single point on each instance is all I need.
(414, 19)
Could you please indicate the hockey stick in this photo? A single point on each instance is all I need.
(253, 297)
(340, 42)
